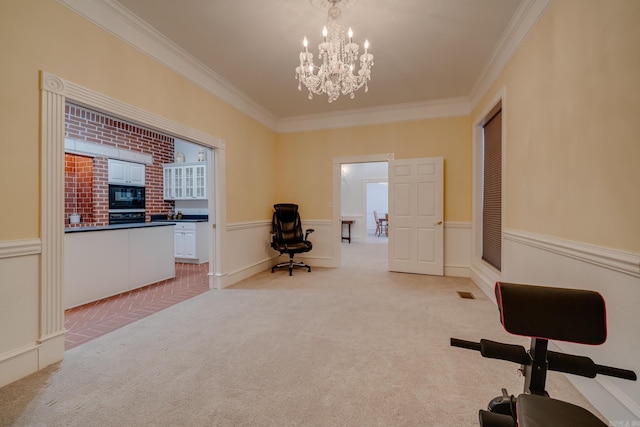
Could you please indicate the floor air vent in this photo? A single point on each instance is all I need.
(466, 295)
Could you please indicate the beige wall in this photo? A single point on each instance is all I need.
(305, 160)
(44, 35)
(573, 125)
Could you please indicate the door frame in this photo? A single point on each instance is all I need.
(54, 92)
(336, 203)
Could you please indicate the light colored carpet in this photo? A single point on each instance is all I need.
(355, 346)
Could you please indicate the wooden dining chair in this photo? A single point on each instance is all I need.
(375, 217)
(382, 224)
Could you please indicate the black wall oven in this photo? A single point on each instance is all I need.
(126, 204)
(126, 197)
(126, 217)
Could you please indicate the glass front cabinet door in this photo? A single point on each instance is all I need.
(185, 182)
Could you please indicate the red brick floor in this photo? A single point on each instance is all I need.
(95, 319)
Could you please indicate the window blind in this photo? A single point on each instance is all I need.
(492, 192)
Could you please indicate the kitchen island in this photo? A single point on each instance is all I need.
(100, 262)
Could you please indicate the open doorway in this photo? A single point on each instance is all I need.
(377, 209)
(363, 197)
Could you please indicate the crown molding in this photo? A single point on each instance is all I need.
(523, 20)
(451, 107)
(117, 20)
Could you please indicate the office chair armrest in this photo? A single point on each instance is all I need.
(309, 231)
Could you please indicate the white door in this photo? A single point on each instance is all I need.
(416, 216)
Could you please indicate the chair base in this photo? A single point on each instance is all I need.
(291, 263)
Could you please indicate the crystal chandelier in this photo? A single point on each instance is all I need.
(336, 74)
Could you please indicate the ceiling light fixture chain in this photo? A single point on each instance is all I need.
(335, 75)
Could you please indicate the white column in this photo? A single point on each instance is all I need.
(51, 337)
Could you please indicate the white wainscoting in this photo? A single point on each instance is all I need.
(542, 260)
(248, 250)
(457, 248)
(19, 309)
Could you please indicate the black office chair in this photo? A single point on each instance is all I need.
(287, 236)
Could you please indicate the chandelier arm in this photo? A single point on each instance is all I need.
(337, 73)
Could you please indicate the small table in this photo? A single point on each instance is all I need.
(348, 223)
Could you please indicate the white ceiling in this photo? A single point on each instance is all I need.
(424, 50)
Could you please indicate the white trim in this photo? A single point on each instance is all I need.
(337, 198)
(18, 352)
(525, 18)
(623, 262)
(365, 158)
(227, 279)
(459, 225)
(54, 92)
(623, 398)
(248, 225)
(483, 274)
(485, 277)
(117, 20)
(438, 108)
(457, 271)
(457, 236)
(601, 380)
(87, 97)
(15, 248)
(85, 148)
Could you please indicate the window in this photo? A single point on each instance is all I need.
(492, 188)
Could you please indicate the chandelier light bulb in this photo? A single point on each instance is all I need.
(336, 74)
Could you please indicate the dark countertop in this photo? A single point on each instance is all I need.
(185, 218)
(173, 221)
(118, 226)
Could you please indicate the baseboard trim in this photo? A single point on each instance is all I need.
(30, 358)
(18, 352)
(457, 271)
(484, 278)
(236, 276)
(603, 382)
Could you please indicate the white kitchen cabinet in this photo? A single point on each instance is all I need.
(191, 241)
(173, 183)
(185, 181)
(118, 261)
(185, 240)
(127, 173)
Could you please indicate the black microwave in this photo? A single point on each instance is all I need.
(126, 197)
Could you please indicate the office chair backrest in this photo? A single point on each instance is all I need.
(286, 223)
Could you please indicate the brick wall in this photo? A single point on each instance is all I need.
(87, 125)
(78, 188)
